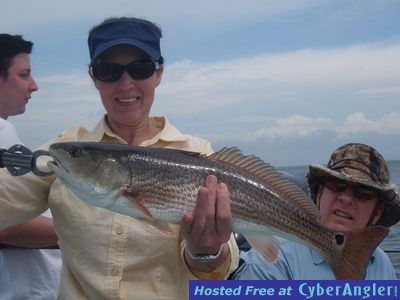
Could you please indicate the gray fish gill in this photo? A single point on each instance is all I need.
(159, 186)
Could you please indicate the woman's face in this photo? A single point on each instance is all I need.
(127, 101)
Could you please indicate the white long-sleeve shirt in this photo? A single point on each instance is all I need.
(27, 273)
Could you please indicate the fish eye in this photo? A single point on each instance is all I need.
(75, 152)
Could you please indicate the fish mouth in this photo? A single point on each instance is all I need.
(63, 173)
(52, 163)
(56, 167)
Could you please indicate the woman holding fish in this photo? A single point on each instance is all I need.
(352, 193)
(108, 255)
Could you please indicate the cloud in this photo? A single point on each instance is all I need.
(279, 77)
(293, 126)
(358, 124)
(376, 92)
(358, 11)
(200, 14)
(298, 126)
(301, 140)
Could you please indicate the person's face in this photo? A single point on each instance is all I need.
(344, 206)
(16, 89)
(127, 101)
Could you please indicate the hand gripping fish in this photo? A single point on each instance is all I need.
(159, 186)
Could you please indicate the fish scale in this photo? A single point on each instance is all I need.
(161, 185)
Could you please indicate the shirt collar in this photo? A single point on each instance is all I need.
(102, 132)
(169, 133)
(318, 259)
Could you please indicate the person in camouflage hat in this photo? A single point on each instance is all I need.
(363, 168)
(352, 192)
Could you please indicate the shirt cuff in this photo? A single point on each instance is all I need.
(222, 271)
(217, 273)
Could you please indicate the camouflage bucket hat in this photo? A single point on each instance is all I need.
(360, 164)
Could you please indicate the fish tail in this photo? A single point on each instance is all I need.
(357, 248)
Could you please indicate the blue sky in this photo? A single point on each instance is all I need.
(288, 81)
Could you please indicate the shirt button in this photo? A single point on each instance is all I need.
(114, 272)
(119, 230)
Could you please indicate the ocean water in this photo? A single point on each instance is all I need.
(391, 244)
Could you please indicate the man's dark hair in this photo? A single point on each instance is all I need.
(10, 46)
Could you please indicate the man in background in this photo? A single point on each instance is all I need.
(26, 271)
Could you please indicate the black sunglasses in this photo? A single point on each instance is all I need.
(360, 192)
(138, 70)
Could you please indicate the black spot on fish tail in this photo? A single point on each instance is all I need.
(339, 239)
(355, 251)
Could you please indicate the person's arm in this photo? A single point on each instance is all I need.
(208, 229)
(36, 233)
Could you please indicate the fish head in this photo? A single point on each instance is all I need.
(95, 172)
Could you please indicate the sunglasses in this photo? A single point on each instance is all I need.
(138, 70)
(362, 193)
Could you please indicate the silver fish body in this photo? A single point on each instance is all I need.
(164, 184)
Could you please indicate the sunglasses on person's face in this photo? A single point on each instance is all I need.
(362, 193)
(138, 70)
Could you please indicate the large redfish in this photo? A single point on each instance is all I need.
(160, 185)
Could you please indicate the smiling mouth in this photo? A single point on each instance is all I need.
(127, 100)
(342, 215)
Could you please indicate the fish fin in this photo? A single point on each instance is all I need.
(148, 217)
(185, 152)
(135, 200)
(268, 176)
(163, 227)
(267, 245)
(357, 248)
